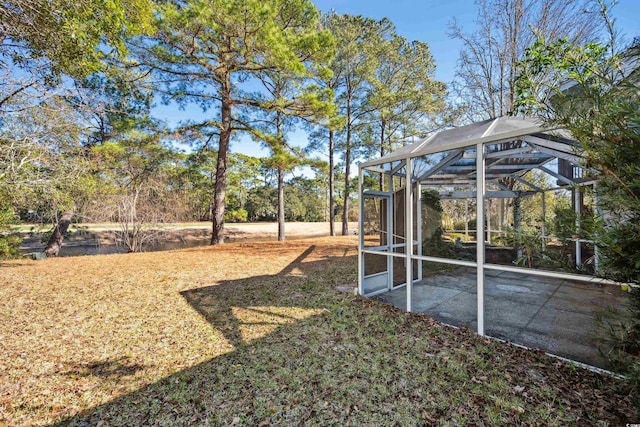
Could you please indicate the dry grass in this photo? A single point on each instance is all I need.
(256, 334)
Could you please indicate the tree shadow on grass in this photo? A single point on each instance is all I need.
(246, 309)
(110, 368)
(305, 354)
(265, 319)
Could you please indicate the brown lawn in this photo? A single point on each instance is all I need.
(257, 334)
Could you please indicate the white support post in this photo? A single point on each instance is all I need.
(466, 218)
(489, 221)
(517, 224)
(409, 232)
(544, 219)
(390, 233)
(596, 250)
(480, 189)
(501, 220)
(419, 222)
(360, 234)
(576, 205)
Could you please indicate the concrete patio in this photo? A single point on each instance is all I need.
(554, 315)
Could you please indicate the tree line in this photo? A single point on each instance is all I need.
(79, 138)
(79, 81)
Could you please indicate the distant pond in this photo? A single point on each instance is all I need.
(91, 247)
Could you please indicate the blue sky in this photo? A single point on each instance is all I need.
(424, 20)
(428, 20)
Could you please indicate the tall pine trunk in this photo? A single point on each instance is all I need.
(347, 171)
(219, 197)
(382, 153)
(55, 241)
(345, 205)
(281, 237)
(332, 214)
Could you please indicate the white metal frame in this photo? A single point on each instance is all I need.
(529, 134)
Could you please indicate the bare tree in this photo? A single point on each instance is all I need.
(138, 220)
(487, 67)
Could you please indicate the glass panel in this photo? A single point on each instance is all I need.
(372, 180)
(447, 223)
(499, 243)
(542, 234)
(419, 166)
(374, 263)
(375, 273)
(400, 270)
(398, 220)
(509, 124)
(448, 293)
(463, 133)
(375, 221)
(456, 236)
(447, 168)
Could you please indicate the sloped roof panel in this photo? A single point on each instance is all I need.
(492, 130)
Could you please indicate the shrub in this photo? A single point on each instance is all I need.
(602, 112)
(236, 215)
(9, 241)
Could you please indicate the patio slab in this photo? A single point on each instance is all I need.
(557, 316)
(458, 311)
(424, 297)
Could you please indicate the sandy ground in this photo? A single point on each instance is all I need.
(307, 229)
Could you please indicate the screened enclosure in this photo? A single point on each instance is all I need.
(489, 226)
